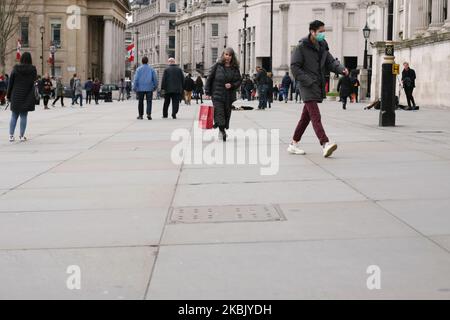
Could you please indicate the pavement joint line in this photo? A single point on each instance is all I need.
(227, 243)
(169, 209)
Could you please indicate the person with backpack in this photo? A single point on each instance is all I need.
(22, 94)
(199, 89)
(261, 83)
(145, 82)
(310, 62)
(47, 90)
(345, 88)
(286, 83)
(189, 86)
(222, 83)
(409, 83)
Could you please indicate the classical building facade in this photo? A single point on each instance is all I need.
(153, 28)
(88, 36)
(344, 23)
(421, 32)
(202, 34)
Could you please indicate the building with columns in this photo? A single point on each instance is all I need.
(421, 33)
(88, 35)
(202, 34)
(344, 22)
(153, 28)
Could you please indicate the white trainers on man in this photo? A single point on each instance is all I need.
(294, 149)
(328, 149)
(11, 139)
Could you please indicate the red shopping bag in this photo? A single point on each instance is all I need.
(206, 117)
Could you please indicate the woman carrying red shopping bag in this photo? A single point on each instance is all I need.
(222, 83)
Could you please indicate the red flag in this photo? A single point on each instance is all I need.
(18, 54)
(130, 50)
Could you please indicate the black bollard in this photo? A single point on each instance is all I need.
(388, 83)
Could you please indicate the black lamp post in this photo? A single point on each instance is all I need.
(137, 47)
(366, 32)
(271, 35)
(42, 30)
(245, 35)
(226, 38)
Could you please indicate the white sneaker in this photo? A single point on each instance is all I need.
(23, 139)
(328, 149)
(11, 139)
(294, 149)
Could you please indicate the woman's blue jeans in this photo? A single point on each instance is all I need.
(13, 123)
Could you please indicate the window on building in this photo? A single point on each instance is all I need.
(24, 29)
(171, 24)
(172, 7)
(214, 55)
(172, 42)
(351, 23)
(56, 32)
(215, 30)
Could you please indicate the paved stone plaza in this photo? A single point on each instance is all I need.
(95, 188)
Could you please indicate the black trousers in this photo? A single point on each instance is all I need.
(46, 99)
(409, 97)
(88, 96)
(57, 98)
(96, 97)
(148, 95)
(175, 98)
(222, 114)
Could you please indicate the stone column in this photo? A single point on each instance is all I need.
(284, 50)
(437, 15)
(422, 18)
(338, 29)
(107, 49)
(447, 22)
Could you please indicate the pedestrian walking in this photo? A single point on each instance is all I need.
(249, 87)
(59, 91)
(355, 88)
(223, 82)
(78, 92)
(96, 90)
(22, 94)
(409, 83)
(286, 83)
(345, 89)
(172, 88)
(88, 86)
(275, 92)
(72, 83)
(53, 80)
(145, 82)
(189, 86)
(298, 92)
(269, 89)
(128, 89)
(46, 90)
(261, 83)
(310, 62)
(122, 89)
(199, 91)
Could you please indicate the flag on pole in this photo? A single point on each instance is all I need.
(130, 55)
(18, 54)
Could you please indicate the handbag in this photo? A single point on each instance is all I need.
(206, 117)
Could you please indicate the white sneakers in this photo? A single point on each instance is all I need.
(11, 139)
(294, 149)
(328, 149)
(23, 139)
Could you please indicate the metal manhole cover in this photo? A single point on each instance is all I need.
(223, 214)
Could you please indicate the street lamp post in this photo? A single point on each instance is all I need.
(42, 30)
(366, 32)
(137, 47)
(53, 51)
(271, 35)
(226, 38)
(245, 35)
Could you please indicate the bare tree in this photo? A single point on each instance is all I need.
(9, 24)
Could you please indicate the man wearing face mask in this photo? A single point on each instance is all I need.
(310, 62)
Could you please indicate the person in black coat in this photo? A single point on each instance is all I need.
(345, 89)
(222, 83)
(172, 88)
(189, 86)
(22, 94)
(409, 83)
(270, 89)
(199, 89)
